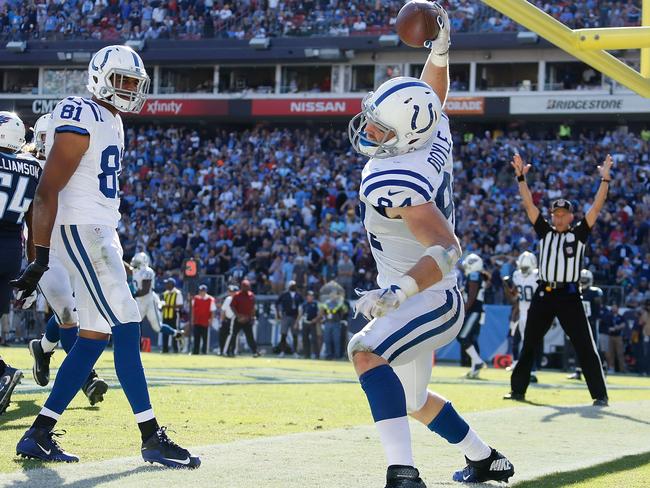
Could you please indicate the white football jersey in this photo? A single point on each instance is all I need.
(526, 286)
(144, 274)
(92, 194)
(422, 176)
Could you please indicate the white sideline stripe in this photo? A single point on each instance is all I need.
(538, 441)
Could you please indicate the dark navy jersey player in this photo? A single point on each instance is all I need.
(19, 175)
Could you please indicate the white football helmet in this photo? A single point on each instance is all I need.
(406, 110)
(472, 263)
(526, 262)
(12, 131)
(586, 278)
(107, 72)
(140, 260)
(40, 129)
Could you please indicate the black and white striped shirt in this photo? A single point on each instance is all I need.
(561, 253)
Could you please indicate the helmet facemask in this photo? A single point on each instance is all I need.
(383, 148)
(125, 100)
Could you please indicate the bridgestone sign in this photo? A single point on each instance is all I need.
(578, 104)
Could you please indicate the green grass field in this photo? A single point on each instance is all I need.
(211, 400)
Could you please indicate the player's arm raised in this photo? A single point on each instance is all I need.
(62, 161)
(436, 68)
(601, 194)
(521, 169)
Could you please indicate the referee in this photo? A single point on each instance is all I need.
(561, 250)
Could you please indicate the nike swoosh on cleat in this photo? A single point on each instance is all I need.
(465, 478)
(42, 449)
(179, 461)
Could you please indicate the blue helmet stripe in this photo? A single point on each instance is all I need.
(392, 90)
(135, 60)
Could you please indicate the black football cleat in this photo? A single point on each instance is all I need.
(41, 444)
(41, 367)
(94, 388)
(519, 397)
(8, 381)
(601, 402)
(575, 376)
(159, 448)
(403, 477)
(495, 468)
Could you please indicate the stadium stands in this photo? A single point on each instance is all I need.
(278, 204)
(114, 20)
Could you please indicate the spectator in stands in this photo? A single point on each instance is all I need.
(243, 304)
(124, 19)
(203, 312)
(287, 308)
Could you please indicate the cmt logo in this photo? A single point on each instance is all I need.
(43, 106)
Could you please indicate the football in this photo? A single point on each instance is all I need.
(417, 22)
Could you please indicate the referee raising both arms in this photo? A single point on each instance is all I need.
(561, 250)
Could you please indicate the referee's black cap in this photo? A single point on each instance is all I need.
(562, 203)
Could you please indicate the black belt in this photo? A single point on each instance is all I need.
(556, 285)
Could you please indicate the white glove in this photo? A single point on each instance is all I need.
(440, 45)
(377, 303)
(29, 300)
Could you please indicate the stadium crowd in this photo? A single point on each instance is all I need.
(195, 19)
(275, 205)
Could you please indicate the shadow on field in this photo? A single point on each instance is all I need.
(45, 477)
(588, 412)
(568, 478)
(19, 410)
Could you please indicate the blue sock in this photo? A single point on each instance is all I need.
(52, 330)
(73, 372)
(385, 393)
(449, 425)
(128, 366)
(68, 337)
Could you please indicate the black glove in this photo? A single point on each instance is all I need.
(28, 280)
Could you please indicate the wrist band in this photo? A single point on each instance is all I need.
(42, 255)
(521, 178)
(605, 180)
(439, 60)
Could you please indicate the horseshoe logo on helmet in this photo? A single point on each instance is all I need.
(416, 111)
